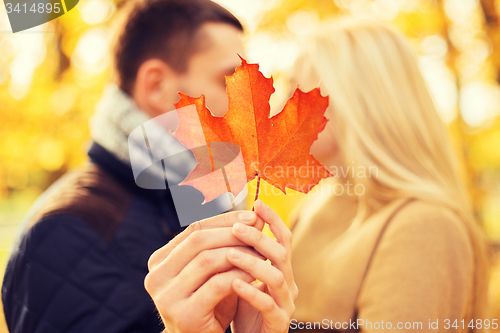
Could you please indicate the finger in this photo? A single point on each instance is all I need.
(197, 272)
(193, 245)
(264, 244)
(283, 236)
(279, 229)
(259, 224)
(273, 316)
(268, 274)
(219, 286)
(205, 265)
(269, 248)
(219, 221)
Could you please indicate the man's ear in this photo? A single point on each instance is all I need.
(155, 88)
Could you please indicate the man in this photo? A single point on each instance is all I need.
(82, 258)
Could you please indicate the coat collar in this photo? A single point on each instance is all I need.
(123, 173)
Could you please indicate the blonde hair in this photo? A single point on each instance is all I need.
(382, 115)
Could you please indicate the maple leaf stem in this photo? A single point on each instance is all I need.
(257, 192)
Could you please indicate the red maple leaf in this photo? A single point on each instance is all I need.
(275, 149)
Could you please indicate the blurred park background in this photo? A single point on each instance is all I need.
(51, 77)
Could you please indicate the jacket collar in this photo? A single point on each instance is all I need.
(123, 173)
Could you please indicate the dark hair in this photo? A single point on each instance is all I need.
(162, 29)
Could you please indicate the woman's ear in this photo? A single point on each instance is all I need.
(155, 88)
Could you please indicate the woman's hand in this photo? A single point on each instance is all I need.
(268, 306)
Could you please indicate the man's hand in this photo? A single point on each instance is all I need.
(190, 279)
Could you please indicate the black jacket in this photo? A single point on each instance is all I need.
(82, 258)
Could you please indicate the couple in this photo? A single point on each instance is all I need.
(406, 250)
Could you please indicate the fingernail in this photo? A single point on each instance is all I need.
(241, 228)
(260, 203)
(247, 216)
(238, 283)
(235, 254)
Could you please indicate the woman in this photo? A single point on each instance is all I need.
(398, 248)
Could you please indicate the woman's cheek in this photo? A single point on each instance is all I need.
(325, 148)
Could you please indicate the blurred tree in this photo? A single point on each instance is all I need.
(492, 23)
(52, 76)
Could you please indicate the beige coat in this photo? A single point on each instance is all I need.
(414, 267)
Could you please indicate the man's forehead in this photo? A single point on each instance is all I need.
(217, 31)
(222, 43)
(215, 36)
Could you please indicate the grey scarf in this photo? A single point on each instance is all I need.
(124, 130)
(156, 157)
